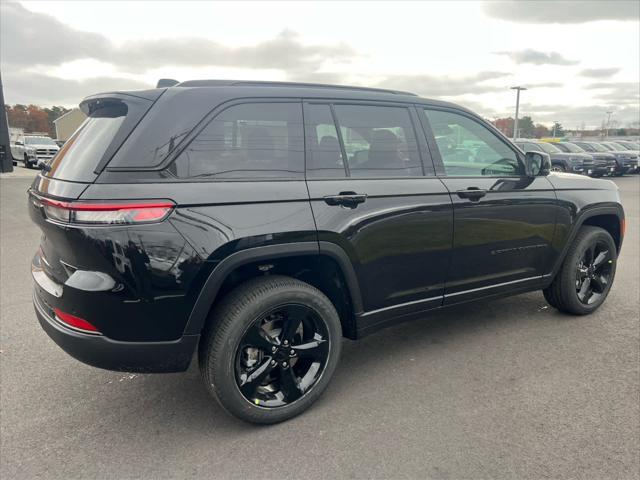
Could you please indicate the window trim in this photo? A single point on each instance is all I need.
(367, 103)
(211, 116)
(440, 168)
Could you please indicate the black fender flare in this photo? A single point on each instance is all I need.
(584, 215)
(216, 278)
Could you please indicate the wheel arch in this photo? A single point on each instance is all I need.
(610, 218)
(324, 265)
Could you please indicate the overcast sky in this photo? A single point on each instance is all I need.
(579, 59)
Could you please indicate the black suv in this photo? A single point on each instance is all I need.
(560, 161)
(259, 223)
(623, 160)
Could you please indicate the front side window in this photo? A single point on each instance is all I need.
(379, 141)
(468, 148)
(247, 141)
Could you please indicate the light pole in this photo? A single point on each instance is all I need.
(555, 122)
(515, 122)
(608, 123)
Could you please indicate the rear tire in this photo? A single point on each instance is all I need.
(586, 275)
(558, 167)
(248, 364)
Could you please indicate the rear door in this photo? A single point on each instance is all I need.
(372, 197)
(504, 220)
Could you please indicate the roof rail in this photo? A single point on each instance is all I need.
(259, 83)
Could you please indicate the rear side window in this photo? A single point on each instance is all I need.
(379, 141)
(250, 140)
(81, 154)
(324, 155)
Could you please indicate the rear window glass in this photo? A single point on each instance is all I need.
(81, 154)
(251, 140)
(379, 141)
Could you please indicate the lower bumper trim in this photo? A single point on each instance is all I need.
(102, 352)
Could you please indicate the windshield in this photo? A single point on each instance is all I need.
(38, 141)
(572, 147)
(549, 148)
(616, 146)
(80, 155)
(598, 148)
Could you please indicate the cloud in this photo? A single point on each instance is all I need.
(28, 38)
(545, 85)
(599, 72)
(444, 86)
(572, 116)
(57, 43)
(284, 52)
(43, 90)
(625, 93)
(563, 11)
(536, 57)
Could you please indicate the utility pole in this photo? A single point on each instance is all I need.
(515, 122)
(608, 123)
(555, 122)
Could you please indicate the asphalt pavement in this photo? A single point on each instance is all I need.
(505, 389)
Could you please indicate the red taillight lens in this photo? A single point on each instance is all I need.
(75, 322)
(107, 213)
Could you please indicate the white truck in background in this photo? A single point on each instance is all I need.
(33, 149)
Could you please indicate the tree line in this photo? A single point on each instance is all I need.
(34, 119)
(527, 129)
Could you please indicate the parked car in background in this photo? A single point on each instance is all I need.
(602, 165)
(560, 161)
(623, 160)
(598, 151)
(618, 148)
(38, 150)
(629, 145)
(16, 143)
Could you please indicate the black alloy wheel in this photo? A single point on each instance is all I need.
(593, 272)
(270, 348)
(587, 273)
(281, 356)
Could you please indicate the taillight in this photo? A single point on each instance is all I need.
(107, 213)
(75, 322)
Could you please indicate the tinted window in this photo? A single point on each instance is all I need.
(324, 155)
(549, 148)
(251, 140)
(469, 148)
(570, 147)
(80, 155)
(379, 141)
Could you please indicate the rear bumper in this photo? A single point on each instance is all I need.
(102, 352)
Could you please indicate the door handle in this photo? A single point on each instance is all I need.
(346, 199)
(472, 193)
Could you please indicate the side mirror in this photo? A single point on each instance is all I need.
(537, 164)
(20, 144)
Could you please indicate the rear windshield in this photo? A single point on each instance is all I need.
(81, 154)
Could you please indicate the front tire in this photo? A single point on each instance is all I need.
(270, 349)
(586, 275)
(27, 164)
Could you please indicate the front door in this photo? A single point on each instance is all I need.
(504, 221)
(371, 196)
